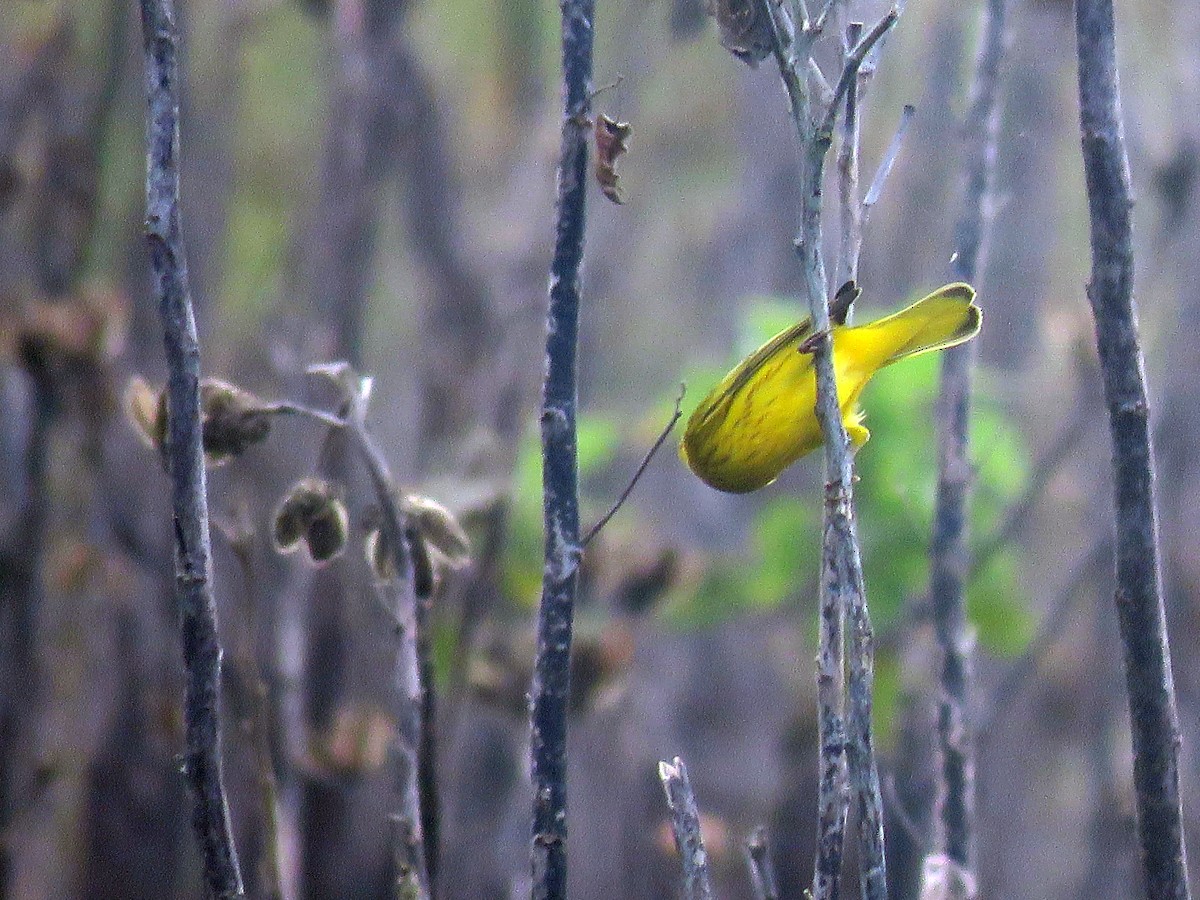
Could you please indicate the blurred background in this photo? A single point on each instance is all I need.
(373, 180)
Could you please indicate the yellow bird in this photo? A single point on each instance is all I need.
(762, 417)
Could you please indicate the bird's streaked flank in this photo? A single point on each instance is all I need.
(761, 417)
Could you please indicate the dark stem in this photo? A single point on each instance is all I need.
(427, 773)
(193, 564)
(551, 676)
(1153, 717)
(21, 600)
(949, 557)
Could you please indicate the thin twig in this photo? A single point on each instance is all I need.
(851, 66)
(685, 824)
(860, 755)
(659, 441)
(415, 657)
(801, 14)
(826, 10)
(849, 208)
(411, 678)
(1139, 600)
(818, 80)
(550, 691)
(948, 551)
(864, 770)
(762, 872)
(428, 793)
(286, 408)
(1050, 629)
(193, 551)
(1018, 513)
(399, 596)
(889, 160)
(901, 814)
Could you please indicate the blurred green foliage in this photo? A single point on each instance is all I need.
(277, 140)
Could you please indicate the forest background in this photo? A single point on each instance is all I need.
(383, 194)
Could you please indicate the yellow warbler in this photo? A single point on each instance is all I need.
(762, 416)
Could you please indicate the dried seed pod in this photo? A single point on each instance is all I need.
(440, 529)
(312, 512)
(426, 562)
(744, 28)
(328, 531)
(611, 142)
(647, 581)
(146, 410)
(233, 420)
(379, 555)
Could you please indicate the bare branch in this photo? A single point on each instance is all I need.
(411, 673)
(820, 82)
(853, 62)
(850, 233)
(685, 824)
(948, 546)
(193, 551)
(845, 746)
(1139, 601)
(823, 17)
(550, 692)
(889, 160)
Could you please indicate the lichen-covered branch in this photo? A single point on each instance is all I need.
(551, 677)
(685, 825)
(193, 563)
(844, 715)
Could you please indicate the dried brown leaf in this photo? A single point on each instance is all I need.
(611, 142)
